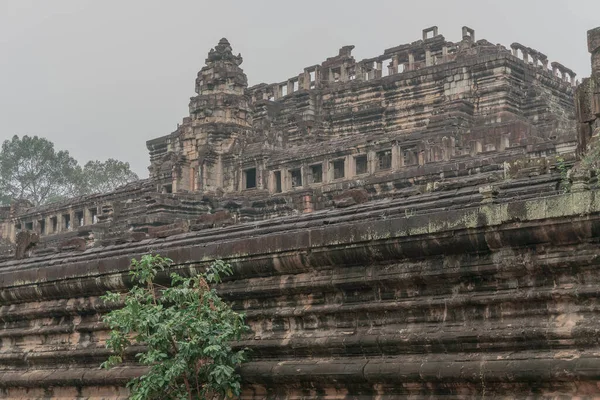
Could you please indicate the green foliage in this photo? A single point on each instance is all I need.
(186, 328)
(31, 169)
(102, 177)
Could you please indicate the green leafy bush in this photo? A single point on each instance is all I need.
(186, 329)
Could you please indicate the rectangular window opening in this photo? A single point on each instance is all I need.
(66, 221)
(167, 188)
(250, 178)
(384, 160)
(277, 175)
(42, 226)
(283, 89)
(29, 226)
(410, 157)
(361, 164)
(385, 67)
(338, 169)
(336, 72)
(79, 218)
(54, 223)
(295, 86)
(296, 177)
(316, 172)
(94, 215)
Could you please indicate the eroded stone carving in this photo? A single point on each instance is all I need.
(396, 226)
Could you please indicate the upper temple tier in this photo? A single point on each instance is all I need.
(428, 118)
(414, 110)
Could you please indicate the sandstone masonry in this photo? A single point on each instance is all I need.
(399, 226)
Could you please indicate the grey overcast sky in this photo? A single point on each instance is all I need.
(99, 78)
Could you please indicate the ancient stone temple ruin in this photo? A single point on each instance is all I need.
(420, 223)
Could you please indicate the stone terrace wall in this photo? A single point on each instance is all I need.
(492, 298)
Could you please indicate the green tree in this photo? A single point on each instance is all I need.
(102, 177)
(186, 328)
(31, 169)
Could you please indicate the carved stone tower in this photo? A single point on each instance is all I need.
(191, 158)
(220, 115)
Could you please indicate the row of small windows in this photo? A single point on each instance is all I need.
(64, 223)
(315, 171)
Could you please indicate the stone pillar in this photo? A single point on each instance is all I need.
(306, 80)
(348, 161)
(379, 72)
(359, 72)
(445, 148)
(594, 49)
(344, 73)
(394, 68)
(396, 157)
(371, 162)
(411, 61)
(428, 60)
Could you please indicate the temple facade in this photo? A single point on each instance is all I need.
(411, 120)
(420, 224)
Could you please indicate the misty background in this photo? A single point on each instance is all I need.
(99, 78)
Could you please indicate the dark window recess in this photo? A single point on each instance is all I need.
(410, 157)
(29, 226)
(54, 223)
(296, 177)
(277, 175)
(168, 189)
(94, 215)
(18, 227)
(250, 178)
(361, 165)
(42, 225)
(316, 171)
(338, 169)
(79, 218)
(66, 221)
(384, 159)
